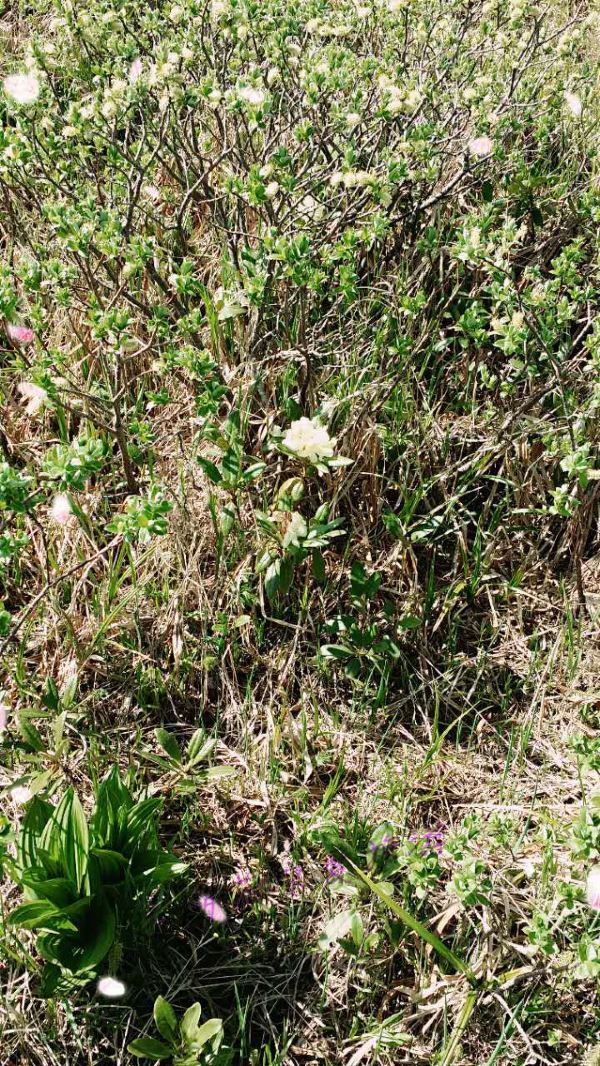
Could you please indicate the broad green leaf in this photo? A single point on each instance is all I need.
(58, 890)
(165, 1019)
(211, 1029)
(34, 822)
(189, 1022)
(337, 927)
(100, 928)
(211, 471)
(149, 1048)
(32, 915)
(168, 743)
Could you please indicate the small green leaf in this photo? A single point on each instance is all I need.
(146, 1047)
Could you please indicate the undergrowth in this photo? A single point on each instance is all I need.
(299, 573)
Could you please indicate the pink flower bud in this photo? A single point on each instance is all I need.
(592, 888)
(61, 510)
(19, 334)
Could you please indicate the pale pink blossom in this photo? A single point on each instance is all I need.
(480, 146)
(111, 987)
(135, 70)
(592, 888)
(574, 104)
(212, 909)
(22, 88)
(4, 709)
(19, 334)
(34, 396)
(21, 794)
(61, 510)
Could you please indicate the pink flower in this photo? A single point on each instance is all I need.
(212, 909)
(4, 709)
(61, 510)
(480, 146)
(19, 334)
(592, 888)
(135, 70)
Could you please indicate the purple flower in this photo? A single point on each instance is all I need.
(295, 874)
(242, 878)
(333, 869)
(431, 839)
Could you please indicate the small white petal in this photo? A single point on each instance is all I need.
(574, 104)
(111, 988)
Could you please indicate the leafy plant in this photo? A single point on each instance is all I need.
(185, 1042)
(87, 882)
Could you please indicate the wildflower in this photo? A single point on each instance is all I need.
(574, 104)
(333, 869)
(592, 888)
(34, 395)
(273, 76)
(19, 334)
(212, 909)
(517, 319)
(413, 100)
(21, 794)
(251, 95)
(272, 189)
(295, 873)
(111, 987)
(242, 879)
(4, 709)
(22, 88)
(480, 146)
(308, 439)
(352, 119)
(135, 70)
(358, 178)
(61, 510)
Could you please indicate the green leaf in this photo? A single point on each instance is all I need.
(165, 1019)
(149, 1048)
(169, 744)
(32, 915)
(199, 747)
(58, 890)
(336, 651)
(337, 927)
(272, 578)
(189, 1022)
(166, 870)
(36, 818)
(211, 1029)
(211, 470)
(101, 928)
(65, 838)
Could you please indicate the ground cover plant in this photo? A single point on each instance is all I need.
(299, 564)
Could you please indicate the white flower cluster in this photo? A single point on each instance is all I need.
(308, 439)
